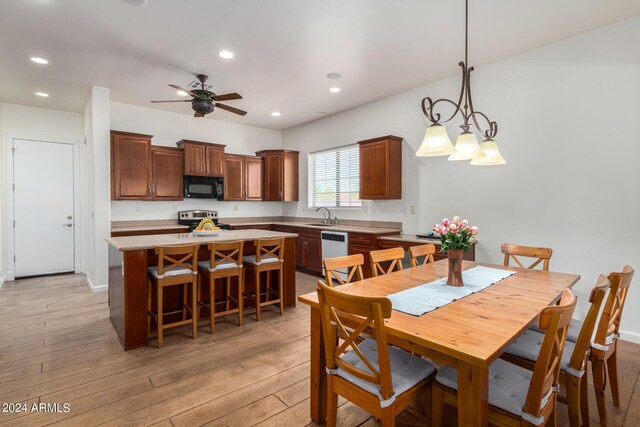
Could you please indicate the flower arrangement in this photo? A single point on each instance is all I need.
(455, 233)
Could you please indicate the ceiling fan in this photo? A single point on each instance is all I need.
(204, 101)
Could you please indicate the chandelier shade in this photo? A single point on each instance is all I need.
(467, 147)
(492, 155)
(436, 142)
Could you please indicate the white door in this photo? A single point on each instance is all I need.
(43, 207)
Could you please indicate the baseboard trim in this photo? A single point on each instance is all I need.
(94, 288)
(2, 280)
(630, 336)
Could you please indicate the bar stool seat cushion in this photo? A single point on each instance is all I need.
(572, 332)
(251, 259)
(528, 346)
(407, 370)
(223, 265)
(178, 271)
(508, 385)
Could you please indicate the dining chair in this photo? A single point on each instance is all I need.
(268, 257)
(514, 251)
(517, 396)
(393, 255)
(381, 379)
(426, 251)
(225, 262)
(177, 265)
(353, 264)
(604, 348)
(524, 352)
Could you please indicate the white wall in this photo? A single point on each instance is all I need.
(168, 128)
(569, 130)
(37, 123)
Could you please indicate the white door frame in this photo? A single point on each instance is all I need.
(9, 210)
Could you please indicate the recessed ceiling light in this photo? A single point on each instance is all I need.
(276, 114)
(333, 76)
(139, 3)
(42, 94)
(39, 60)
(334, 90)
(226, 54)
(182, 93)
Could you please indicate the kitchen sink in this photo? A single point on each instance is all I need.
(320, 225)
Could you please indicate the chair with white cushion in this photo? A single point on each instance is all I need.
(225, 262)
(268, 257)
(380, 379)
(518, 396)
(524, 352)
(176, 266)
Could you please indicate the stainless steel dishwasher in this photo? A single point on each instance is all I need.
(335, 244)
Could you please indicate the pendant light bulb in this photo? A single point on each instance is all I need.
(492, 155)
(467, 147)
(436, 142)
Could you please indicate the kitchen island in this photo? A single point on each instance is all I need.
(130, 256)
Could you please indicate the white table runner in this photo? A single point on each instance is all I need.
(425, 298)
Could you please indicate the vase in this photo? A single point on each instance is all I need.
(455, 267)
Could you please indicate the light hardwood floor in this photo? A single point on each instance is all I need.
(57, 346)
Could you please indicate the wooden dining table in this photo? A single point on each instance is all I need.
(468, 334)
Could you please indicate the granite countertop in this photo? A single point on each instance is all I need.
(148, 228)
(346, 228)
(411, 238)
(132, 243)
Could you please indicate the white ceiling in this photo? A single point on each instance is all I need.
(283, 48)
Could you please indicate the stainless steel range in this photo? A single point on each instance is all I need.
(193, 218)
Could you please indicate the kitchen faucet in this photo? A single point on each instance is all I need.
(327, 220)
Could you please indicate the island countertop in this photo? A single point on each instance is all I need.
(135, 243)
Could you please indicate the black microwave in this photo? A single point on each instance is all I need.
(203, 187)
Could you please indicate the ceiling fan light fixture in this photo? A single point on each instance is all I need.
(467, 147)
(226, 54)
(492, 155)
(182, 93)
(436, 142)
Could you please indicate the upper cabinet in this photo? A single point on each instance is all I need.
(242, 177)
(131, 172)
(280, 175)
(381, 168)
(202, 158)
(167, 165)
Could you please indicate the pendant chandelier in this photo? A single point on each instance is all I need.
(436, 141)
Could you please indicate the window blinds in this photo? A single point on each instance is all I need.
(335, 177)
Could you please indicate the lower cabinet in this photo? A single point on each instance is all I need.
(308, 250)
(364, 250)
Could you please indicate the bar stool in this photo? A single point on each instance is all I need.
(268, 257)
(225, 261)
(181, 270)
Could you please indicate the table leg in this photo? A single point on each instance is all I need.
(473, 395)
(318, 373)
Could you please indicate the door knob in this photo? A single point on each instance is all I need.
(69, 217)
(67, 225)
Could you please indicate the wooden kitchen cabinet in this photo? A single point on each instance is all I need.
(308, 250)
(131, 171)
(381, 168)
(167, 166)
(202, 158)
(280, 175)
(243, 177)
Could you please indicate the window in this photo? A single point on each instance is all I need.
(334, 178)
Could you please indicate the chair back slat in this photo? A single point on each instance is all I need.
(394, 255)
(171, 254)
(426, 251)
(555, 321)
(583, 342)
(609, 323)
(225, 252)
(269, 247)
(367, 313)
(353, 263)
(514, 251)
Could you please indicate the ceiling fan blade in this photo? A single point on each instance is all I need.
(231, 109)
(227, 97)
(176, 87)
(198, 114)
(177, 100)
